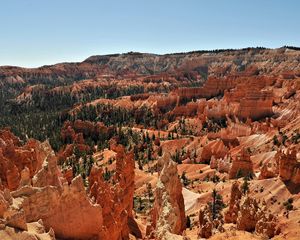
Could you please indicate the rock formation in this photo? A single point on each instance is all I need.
(214, 148)
(52, 200)
(289, 167)
(168, 212)
(231, 214)
(256, 105)
(116, 199)
(241, 165)
(14, 159)
(268, 170)
(207, 225)
(221, 164)
(222, 114)
(64, 206)
(249, 214)
(253, 216)
(13, 222)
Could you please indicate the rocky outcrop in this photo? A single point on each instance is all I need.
(13, 223)
(49, 174)
(241, 98)
(289, 167)
(254, 216)
(69, 149)
(267, 225)
(249, 214)
(214, 148)
(68, 134)
(268, 170)
(78, 130)
(4, 202)
(15, 158)
(166, 103)
(36, 230)
(233, 131)
(115, 198)
(241, 165)
(231, 214)
(256, 105)
(221, 164)
(52, 200)
(208, 225)
(64, 204)
(75, 133)
(205, 223)
(190, 109)
(224, 164)
(168, 212)
(254, 101)
(51, 204)
(212, 87)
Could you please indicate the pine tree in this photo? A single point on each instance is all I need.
(184, 179)
(160, 151)
(169, 136)
(153, 137)
(216, 205)
(149, 154)
(188, 222)
(245, 185)
(149, 192)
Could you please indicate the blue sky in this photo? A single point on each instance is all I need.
(38, 32)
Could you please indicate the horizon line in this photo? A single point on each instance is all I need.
(212, 50)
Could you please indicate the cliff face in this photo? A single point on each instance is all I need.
(244, 97)
(253, 60)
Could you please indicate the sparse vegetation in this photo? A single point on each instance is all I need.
(289, 204)
(184, 179)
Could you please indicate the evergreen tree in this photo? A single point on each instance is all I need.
(245, 185)
(216, 205)
(184, 179)
(188, 222)
(160, 151)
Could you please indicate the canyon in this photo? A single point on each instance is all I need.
(195, 145)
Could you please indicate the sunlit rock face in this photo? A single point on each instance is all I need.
(66, 209)
(289, 167)
(116, 199)
(241, 165)
(250, 214)
(168, 213)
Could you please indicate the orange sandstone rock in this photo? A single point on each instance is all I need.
(241, 165)
(289, 167)
(168, 213)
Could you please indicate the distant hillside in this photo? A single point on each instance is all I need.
(222, 62)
